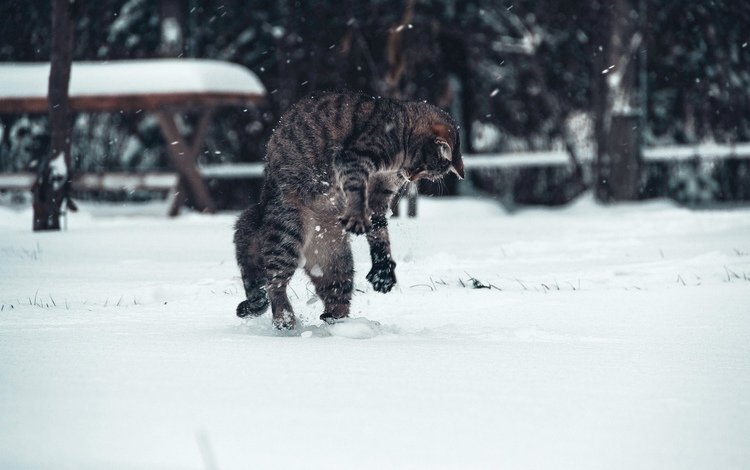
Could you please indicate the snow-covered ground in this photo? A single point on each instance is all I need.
(614, 337)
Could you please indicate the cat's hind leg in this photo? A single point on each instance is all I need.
(329, 263)
(247, 241)
(282, 244)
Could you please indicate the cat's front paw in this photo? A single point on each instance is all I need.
(382, 276)
(355, 223)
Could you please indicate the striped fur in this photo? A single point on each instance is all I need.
(333, 164)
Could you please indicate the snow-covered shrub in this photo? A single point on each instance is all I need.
(693, 183)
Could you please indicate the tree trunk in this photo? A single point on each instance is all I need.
(618, 133)
(287, 42)
(53, 180)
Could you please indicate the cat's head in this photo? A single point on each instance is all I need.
(438, 153)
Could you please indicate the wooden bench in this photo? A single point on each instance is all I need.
(164, 87)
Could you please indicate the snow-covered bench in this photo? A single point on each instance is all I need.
(165, 87)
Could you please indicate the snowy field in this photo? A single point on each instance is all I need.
(613, 338)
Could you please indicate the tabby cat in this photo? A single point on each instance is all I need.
(333, 164)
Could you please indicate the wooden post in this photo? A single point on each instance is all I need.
(618, 134)
(184, 157)
(53, 178)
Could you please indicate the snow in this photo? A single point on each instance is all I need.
(608, 337)
(16, 181)
(231, 170)
(58, 171)
(355, 328)
(125, 77)
(116, 181)
(517, 159)
(708, 150)
(171, 33)
(316, 270)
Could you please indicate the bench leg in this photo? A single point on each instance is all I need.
(184, 157)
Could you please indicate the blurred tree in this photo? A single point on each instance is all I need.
(617, 112)
(699, 71)
(52, 186)
(172, 28)
(526, 70)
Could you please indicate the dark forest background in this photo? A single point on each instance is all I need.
(524, 75)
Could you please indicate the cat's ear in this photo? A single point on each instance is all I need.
(444, 139)
(442, 131)
(444, 149)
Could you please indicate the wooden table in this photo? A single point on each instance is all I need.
(164, 87)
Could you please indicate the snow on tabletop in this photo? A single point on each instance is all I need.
(596, 337)
(29, 80)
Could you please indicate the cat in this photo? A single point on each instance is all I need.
(333, 164)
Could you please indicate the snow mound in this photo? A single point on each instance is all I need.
(355, 328)
(352, 328)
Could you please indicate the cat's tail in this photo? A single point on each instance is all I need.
(247, 244)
